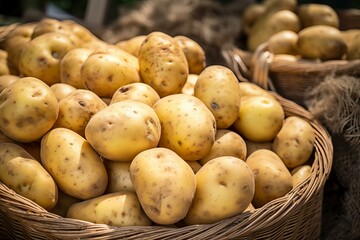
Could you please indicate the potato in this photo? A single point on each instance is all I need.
(131, 45)
(163, 64)
(75, 166)
(283, 42)
(6, 80)
(189, 86)
(76, 109)
(115, 209)
(270, 24)
(104, 73)
(194, 53)
(272, 178)
(321, 42)
(300, 173)
(227, 143)
(311, 14)
(277, 5)
(63, 203)
(253, 146)
(251, 89)
(122, 130)
(4, 68)
(164, 183)
(136, 91)
(119, 176)
(41, 56)
(190, 139)
(61, 90)
(225, 188)
(353, 51)
(217, 87)
(83, 33)
(260, 118)
(26, 176)
(28, 109)
(295, 141)
(70, 66)
(250, 15)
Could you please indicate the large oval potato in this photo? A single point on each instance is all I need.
(75, 166)
(311, 14)
(163, 64)
(295, 141)
(225, 187)
(28, 109)
(26, 176)
(272, 178)
(283, 42)
(123, 129)
(217, 87)
(115, 209)
(164, 183)
(187, 126)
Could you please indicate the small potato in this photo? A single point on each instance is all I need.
(131, 45)
(75, 166)
(300, 173)
(61, 90)
(277, 5)
(283, 42)
(187, 126)
(76, 109)
(227, 143)
(163, 64)
(295, 141)
(70, 67)
(194, 53)
(321, 42)
(253, 146)
(115, 209)
(119, 176)
(311, 14)
(225, 187)
(164, 183)
(251, 89)
(26, 176)
(122, 130)
(217, 87)
(136, 91)
(6, 80)
(260, 118)
(28, 109)
(353, 51)
(250, 15)
(272, 178)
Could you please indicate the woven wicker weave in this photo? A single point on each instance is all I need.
(297, 215)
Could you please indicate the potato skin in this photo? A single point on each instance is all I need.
(28, 109)
(190, 139)
(75, 166)
(61, 90)
(300, 173)
(272, 178)
(26, 176)
(164, 183)
(311, 14)
(115, 209)
(225, 187)
(295, 141)
(163, 64)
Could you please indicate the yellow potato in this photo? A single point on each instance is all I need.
(321, 42)
(277, 5)
(131, 45)
(225, 187)
(295, 141)
(250, 15)
(194, 53)
(217, 87)
(26, 176)
(251, 89)
(353, 51)
(227, 143)
(28, 109)
(300, 173)
(76, 109)
(136, 91)
(4, 67)
(61, 90)
(75, 166)
(122, 130)
(115, 209)
(260, 118)
(83, 33)
(187, 126)
(272, 178)
(119, 176)
(164, 183)
(283, 42)
(163, 64)
(189, 86)
(6, 80)
(311, 14)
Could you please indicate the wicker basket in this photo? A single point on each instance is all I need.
(297, 215)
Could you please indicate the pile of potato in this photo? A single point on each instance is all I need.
(140, 132)
(308, 30)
